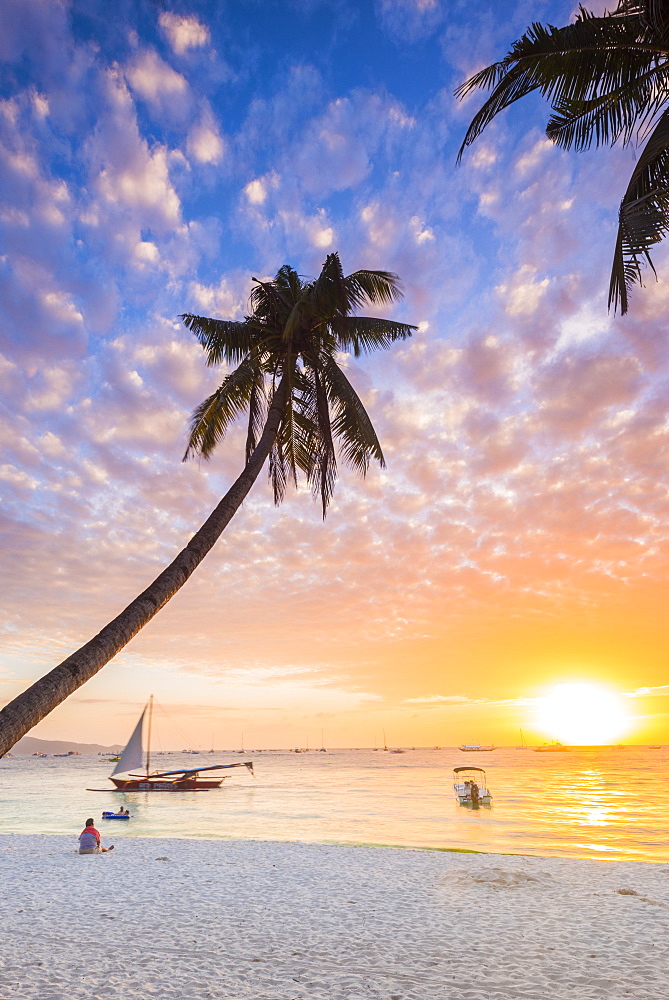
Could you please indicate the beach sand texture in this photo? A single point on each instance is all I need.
(199, 919)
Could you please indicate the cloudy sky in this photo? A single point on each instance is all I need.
(153, 160)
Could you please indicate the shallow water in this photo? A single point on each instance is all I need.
(595, 803)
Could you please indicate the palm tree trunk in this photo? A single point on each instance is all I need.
(20, 715)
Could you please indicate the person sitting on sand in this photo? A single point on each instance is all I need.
(90, 841)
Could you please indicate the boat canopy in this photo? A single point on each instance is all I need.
(456, 770)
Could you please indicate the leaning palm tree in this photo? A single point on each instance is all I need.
(299, 403)
(607, 79)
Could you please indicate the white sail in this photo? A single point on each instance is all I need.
(133, 755)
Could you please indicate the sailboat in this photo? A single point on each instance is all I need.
(523, 744)
(185, 780)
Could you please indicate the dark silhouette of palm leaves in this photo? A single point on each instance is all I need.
(292, 337)
(607, 79)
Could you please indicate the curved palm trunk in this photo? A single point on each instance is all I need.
(20, 715)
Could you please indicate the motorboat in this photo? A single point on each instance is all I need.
(475, 748)
(471, 787)
(553, 747)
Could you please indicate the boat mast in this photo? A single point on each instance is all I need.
(148, 738)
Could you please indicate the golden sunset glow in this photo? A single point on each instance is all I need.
(582, 714)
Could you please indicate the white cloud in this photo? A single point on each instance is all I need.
(166, 91)
(522, 294)
(256, 191)
(142, 184)
(218, 300)
(205, 144)
(147, 252)
(17, 477)
(183, 33)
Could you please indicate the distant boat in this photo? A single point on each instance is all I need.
(38, 754)
(553, 747)
(183, 780)
(475, 748)
(70, 753)
(523, 745)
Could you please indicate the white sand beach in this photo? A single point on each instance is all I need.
(227, 920)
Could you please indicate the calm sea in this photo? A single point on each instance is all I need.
(597, 803)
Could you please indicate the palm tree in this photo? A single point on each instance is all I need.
(299, 402)
(607, 78)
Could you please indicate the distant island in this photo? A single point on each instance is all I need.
(30, 744)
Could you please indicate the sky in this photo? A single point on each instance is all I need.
(151, 164)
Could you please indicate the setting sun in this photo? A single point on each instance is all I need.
(582, 714)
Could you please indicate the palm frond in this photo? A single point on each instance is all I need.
(257, 413)
(576, 63)
(328, 294)
(223, 340)
(620, 112)
(287, 433)
(373, 286)
(644, 215)
(212, 417)
(351, 424)
(288, 283)
(314, 446)
(368, 333)
(269, 301)
(653, 13)
(278, 475)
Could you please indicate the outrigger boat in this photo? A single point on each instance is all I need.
(183, 780)
(476, 748)
(470, 787)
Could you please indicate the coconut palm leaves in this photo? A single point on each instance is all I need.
(607, 79)
(293, 335)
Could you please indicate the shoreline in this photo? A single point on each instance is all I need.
(124, 834)
(205, 919)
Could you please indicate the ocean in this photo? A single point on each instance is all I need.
(587, 803)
